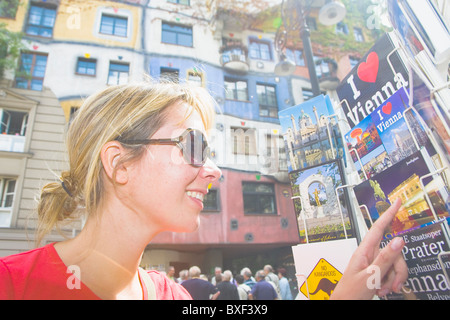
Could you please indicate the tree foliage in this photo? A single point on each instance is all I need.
(10, 42)
(10, 47)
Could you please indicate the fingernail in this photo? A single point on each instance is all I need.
(396, 244)
(383, 292)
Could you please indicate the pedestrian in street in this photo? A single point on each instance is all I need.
(138, 165)
(199, 289)
(248, 278)
(230, 275)
(228, 291)
(272, 278)
(242, 288)
(171, 273)
(217, 271)
(285, 289)
(183, 275)
(262, 290)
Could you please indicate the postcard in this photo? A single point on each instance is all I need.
(402, 179)
(372, 81)
(324, 211)
(311, 134)
(386, 136)
(426, 275)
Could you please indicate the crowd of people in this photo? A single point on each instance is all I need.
(263, 285)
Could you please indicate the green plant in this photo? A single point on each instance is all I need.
(10, 47)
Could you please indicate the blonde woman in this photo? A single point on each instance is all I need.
(138, 166)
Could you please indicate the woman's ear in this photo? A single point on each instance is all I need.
(110, 155)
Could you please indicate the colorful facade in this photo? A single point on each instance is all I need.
(74, 48)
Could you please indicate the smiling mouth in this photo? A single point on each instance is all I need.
(195, 195)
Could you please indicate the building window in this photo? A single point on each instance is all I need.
(322, 67)
(41, 21)
(118, 73)
(276, 151)
(267, 100)
(259, 198)
(211, 201)
(7, 193)
(31, 71)
(307, 94)
(185, 2)
(296, 56)
(353, 61)
(341, 28)
(311, 23)
(8, 188)
(236, 89)
(170, 75)
(86, 66)
(176, 34)
(13, 122)
(260, 50)
(114, 25)
(243, 141)
(359, 36)
(73, 113)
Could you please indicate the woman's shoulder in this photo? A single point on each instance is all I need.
(24, 275)
(17, 269)
(167, 289)
(19, 262)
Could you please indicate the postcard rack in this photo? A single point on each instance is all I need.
(441, 172)
(392, 140)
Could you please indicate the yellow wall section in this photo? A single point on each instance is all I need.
(68, 104)
(76, 21)
(15, 25)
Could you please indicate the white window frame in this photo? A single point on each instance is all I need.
(6, 212)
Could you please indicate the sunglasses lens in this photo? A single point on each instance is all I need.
(196, 148)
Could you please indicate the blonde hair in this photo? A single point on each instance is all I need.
(129, 112)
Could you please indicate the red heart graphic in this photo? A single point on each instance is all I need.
(387, 108)
(35, 47)
(231, 35)
(115, 10)
(368, 71)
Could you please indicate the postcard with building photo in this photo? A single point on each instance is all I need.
(365, 147)
(402, 180)
(317, 205)
(383, 138)
(393, 129)
(305, 132)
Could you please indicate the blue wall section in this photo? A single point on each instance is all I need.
(248, 110)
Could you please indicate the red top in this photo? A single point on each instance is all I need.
(40, 274)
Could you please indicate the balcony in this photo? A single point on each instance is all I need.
(234, 58)
(12, 143)
(326, 69)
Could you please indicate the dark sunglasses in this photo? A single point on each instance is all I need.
(192, 142)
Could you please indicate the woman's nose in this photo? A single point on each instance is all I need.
(210, 171)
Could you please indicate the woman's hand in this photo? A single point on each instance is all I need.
(369, 261)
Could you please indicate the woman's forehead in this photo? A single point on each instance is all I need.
(181, 116)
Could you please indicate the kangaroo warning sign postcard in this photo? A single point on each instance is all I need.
(319, 266)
